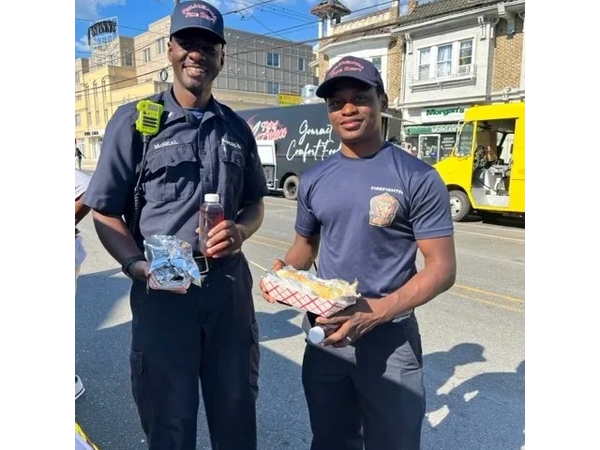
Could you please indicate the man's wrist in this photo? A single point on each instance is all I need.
(243, 231)
(129, 263)
(383, 309)
(137, 272)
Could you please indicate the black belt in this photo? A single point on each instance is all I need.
(206, 264)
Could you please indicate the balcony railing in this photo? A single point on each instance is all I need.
(439, 74)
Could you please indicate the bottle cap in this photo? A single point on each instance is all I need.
(316, 335)
(211, 198)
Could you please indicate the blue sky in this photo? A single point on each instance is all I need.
(135, 15)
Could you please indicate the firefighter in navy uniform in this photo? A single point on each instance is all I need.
(207, 335)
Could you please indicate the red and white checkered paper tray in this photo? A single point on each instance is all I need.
(294, 293)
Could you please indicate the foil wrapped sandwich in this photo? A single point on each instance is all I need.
(172, 265)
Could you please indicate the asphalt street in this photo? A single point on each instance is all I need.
(473, 340)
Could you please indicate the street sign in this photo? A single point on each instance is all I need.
(289, 99)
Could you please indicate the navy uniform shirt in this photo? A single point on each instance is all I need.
(370, 212)
(188, 158)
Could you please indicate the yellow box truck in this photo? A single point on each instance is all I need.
(486, 170)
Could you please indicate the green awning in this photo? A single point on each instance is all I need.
(431, 129)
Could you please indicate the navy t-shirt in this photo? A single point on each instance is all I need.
(370, 212)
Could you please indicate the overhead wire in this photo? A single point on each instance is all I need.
(302, 25)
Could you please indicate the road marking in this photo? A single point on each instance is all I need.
(269, 210)
(280, 204)
(481, 291)
(490, 235)
(254, 241)
(258, 265)
(490, 227)
(487, 302)
(492, 258)
(272, 240)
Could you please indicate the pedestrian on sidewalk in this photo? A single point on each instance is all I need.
(78, 156)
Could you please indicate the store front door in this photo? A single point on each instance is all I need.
(429, 148)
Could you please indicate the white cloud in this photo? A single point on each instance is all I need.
(216, 3)
(89, 9)
(82, 44)
(232, 5)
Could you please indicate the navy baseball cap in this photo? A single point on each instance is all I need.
(350, 67)
(199, 15)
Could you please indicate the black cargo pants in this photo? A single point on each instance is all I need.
(208, 335)
(369, 393)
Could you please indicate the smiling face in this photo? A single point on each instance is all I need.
(197, 59)
(355, 111)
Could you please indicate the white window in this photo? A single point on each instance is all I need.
(465, 57)
(272, 87)
(77, 77)
(128, 59)
(444, 60)
(424, 63)
(77, 120)
(454, 59)
(161, 46)
(146, 55)
(272, 59)
(301, 64)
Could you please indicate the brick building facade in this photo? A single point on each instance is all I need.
(437, 57)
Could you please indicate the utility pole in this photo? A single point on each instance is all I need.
(176, 2)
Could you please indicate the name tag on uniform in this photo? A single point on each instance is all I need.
(163, 144)
(227, 144)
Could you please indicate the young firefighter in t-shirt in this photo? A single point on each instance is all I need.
(367, 210)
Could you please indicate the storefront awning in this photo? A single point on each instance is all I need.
(431, 129)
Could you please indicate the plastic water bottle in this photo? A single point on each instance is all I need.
(317, 334)
(211, 214)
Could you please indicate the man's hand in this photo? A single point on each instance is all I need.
(140, 270)
(225, 239)
(153, 284)
(353, 322)
(277, 264)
